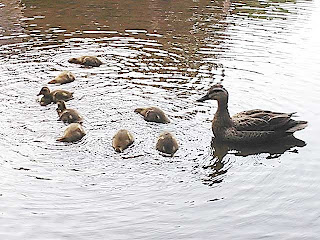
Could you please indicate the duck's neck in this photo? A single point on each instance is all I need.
(222, 118)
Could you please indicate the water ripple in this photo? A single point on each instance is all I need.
(166, 56)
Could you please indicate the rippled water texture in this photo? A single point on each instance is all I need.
(166, 54)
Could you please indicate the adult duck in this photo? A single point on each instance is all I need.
(54, 96)
(254, 126)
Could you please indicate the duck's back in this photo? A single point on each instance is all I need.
(64, 95)
(91, 61)
(70, 116)
(154, 114)
(64, 77)
(73, 132)
(261, 126)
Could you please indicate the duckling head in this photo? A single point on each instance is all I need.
(44, 91)
(118, 149)
(122, 140)
(216, 92)
(61, 106)
(73, 60)
(140, 110)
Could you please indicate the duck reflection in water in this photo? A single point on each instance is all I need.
(221, 149)
(249, 132)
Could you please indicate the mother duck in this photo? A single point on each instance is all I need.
(254, 126)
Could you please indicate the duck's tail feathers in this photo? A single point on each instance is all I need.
(52, 81)
(297, 127)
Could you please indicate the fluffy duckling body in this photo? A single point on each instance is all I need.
(121, 140)
(64, 77)
(74, 132)
(68, 115)
(86, 61)
(153, 114)
(54, 96)
(167, 143)
(254, 126)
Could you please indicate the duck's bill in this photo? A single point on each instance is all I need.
(204, 98)
(39, 94)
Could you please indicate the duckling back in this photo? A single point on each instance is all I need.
(121, 140)
(70, 116)
(64, 77)
(153, 114)
(86, 61)
(167, 143)
(73, 132)
(58, 95)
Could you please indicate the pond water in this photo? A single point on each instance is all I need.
(167, 54)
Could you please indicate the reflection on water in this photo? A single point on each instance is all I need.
(273, 150)
(10, 15)
(221, 149)
(157, 53)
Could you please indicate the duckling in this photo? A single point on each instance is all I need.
(153, 114)
(64, 77)
(73, 133)
(68, 115)
(167, 143)
(54, 96)
(254, 126)
(122, 140)
(86, 61)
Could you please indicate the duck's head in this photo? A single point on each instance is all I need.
(216, 92)
(73, 60)
(61, 106)
(118, 149)
(165, 135)
(44, 91)
(139, 110)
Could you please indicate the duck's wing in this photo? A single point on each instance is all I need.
(261, 120)
(258, 112)
(249, 124)
(246, 113)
